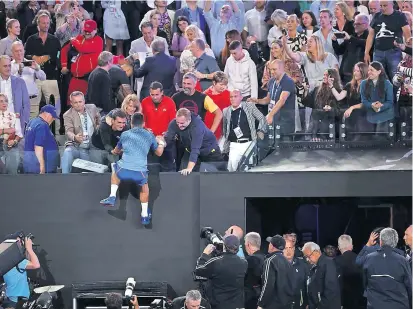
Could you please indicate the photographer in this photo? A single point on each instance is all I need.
(226, 275)
(115, 300)
(16, 278)
(192, 300)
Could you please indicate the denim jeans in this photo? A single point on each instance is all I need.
(10, 158)
(72, 152)
(390, 59)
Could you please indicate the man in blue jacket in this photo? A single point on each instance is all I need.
(198, 141)
(387, 275)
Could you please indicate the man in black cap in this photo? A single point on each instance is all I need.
(277, 277)
(226, 275)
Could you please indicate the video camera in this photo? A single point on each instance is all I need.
(213, 238)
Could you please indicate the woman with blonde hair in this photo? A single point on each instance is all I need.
(279, 19)
(155, 19)
(344, 18)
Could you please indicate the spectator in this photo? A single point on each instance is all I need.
(356, 9)
(217, 7)
(297, 41)
(239, 128)
(344, 18)
(277, 277)
(387, 275)
(205, 65)
(188, 59)
(15, 89)
(374, 7)
(293, 238)
(31, 28)
(120, 81)
(114, 25)
(159, 110)
(196, 101)
(354, 111)
(225, 22)
(13, 30)
(159, 67)
(30, 74)
(69, 29)
(130, 105)
(318, 5)
(349, 274)
(353, 47)
(371, 246)
(241, 72)
(99, 84)
(290, 7)
(167, 16)
(279, 21)
(81, 121)
(44, 48)
(407, 6)
(330, 251)
(81, 56)
(408, 241)
(26, 11)
(315, 61)
(300, 274)
(385, 27)
(155, 21)
(106, 137)
(255, 259)
(198, 141)
(255, 23)
(220, 96)
(309, 23)
(326, 32)
(377, 98)
(194, 15)
(323, 287)
(192, 300)
(10, 135)
(132, 11)
(179, 39)
(67, 7)
(41, 152)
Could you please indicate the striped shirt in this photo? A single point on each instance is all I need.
(136, 144)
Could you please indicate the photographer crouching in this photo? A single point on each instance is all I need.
(225, 274)
(192, 300)
(115, 301)
(15, 279)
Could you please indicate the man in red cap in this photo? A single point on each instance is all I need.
(81, 56)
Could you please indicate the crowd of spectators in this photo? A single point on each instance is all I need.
(233, 70)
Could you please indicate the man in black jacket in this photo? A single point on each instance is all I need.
(277, 277)
(255, 259)
(226, 275)
(322, 285)
(192, 300)
(350, 276)
(387, 275)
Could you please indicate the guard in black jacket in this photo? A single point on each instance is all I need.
(322, 285)
(193, 299)
(255, 259)
(301, 270)
(388, 275)
(277, 277)
(226, 275)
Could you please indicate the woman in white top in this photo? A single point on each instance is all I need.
(279, 19)
(114, 26)
(192, 33)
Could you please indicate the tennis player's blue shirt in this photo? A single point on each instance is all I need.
(16, 282)
(136, 144)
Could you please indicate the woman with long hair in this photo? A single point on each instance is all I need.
(325, 104)
(354, 113)
(155, 19)
(230, 36)
(179, 40)
(377, 97)
(344, 18)
(130, 106)
(167, 16)
(309, 23)
(297, 41)
(279, 20)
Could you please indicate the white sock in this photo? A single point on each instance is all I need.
(113, 190)
(144, 212)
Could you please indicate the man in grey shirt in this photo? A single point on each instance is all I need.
(205, 65)
(13, 29)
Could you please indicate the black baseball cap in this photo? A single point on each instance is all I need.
(277, 241)
(231, 241)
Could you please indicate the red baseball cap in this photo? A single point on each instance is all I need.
(89, 25)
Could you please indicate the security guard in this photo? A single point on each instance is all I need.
(226, 275)
(277, 277)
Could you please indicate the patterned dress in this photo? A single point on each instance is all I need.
(114, 22)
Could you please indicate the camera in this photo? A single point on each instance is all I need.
(160, 304)
(213, 238)
(130, 285)
(340, 35)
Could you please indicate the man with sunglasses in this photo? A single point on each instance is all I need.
(322, 284)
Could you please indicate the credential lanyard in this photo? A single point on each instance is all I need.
(274, 90)
(239, 118)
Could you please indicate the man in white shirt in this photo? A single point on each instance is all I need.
(327, 31)
(29, 71)
(255, 24)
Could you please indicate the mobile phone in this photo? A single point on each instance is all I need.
(399, 40)
(339, 35)
(27, 63)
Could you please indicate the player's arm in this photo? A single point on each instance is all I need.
(118, 149)
(160, 145)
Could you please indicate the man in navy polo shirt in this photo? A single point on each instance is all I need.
(135, 144)
(41, 153)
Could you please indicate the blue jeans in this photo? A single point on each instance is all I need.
(10, 158)
(390, 59)
(71, 153)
